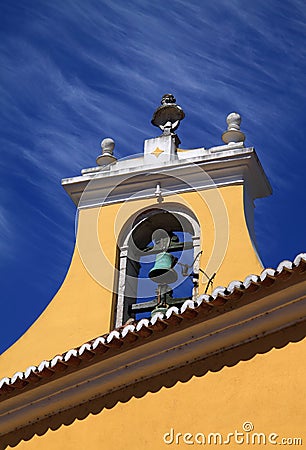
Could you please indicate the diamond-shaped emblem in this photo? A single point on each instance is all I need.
(157, 152)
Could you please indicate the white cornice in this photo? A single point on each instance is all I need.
(247, 323)
(130, 179)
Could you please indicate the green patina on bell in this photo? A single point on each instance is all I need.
(163, 272)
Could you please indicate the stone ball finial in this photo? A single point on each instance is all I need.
(107, 145)
(233, 133)
(233, 121)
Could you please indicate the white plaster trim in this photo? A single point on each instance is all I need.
(222, 169)
(247, 323)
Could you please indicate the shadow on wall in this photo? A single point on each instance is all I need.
(198, 369)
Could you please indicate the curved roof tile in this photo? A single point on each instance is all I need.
(145, 327)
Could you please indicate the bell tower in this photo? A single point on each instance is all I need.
(153, 230)
(182, 220)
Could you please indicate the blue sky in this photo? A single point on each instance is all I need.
(76, 71)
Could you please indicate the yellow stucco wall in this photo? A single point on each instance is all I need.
(267, 390)
(81, 310)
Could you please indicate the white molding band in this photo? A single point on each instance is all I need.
(206, 172)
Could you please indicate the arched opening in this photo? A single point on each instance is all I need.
(153, 238)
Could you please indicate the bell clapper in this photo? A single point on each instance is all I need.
(162, 291)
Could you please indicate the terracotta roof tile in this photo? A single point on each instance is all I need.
(144, 328)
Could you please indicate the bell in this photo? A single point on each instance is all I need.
(163, 272)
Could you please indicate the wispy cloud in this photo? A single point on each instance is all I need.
(6, 234)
